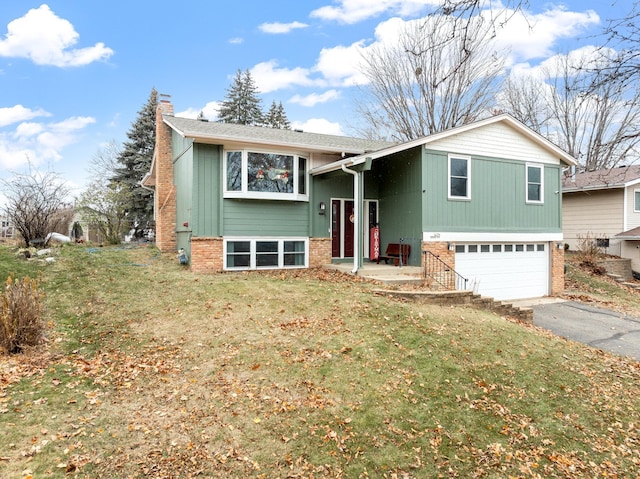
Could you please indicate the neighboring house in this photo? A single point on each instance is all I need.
(604, 206)
(78, 229)
(484, 197)
(6, 228)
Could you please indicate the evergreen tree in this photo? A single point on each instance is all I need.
(135, 161)
(241, 104)
(277, 118)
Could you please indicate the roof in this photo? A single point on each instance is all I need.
(209, 131)
(605, 179)
(503, 118)
(632, 234)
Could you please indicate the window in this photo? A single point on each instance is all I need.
(534, 184)
(636, 200)
(484, 248)
(459, 176)
(497, 248)
(602, 242)
(252, 174)
(473, 248)
(459, 248)
(508, 248)
(272, 253)
(540, 247)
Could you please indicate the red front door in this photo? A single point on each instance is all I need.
(335, 228)
(348, 229)
(342, 228)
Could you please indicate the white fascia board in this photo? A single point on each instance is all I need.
(524, 130)
(464, 237)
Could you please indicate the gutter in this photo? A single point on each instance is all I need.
(356, 217)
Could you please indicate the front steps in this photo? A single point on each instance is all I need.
(467, 298)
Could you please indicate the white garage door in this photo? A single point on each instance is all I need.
(505, 271)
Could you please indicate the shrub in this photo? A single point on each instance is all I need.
(589, 253)
(21, 323)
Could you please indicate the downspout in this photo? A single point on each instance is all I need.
(356, 215)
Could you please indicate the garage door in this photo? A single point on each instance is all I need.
(505, 271)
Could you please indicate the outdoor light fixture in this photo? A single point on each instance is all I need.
(450, 246)
(323, 207)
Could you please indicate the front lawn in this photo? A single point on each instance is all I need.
(153, 371)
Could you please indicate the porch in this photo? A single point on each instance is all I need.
(385, 273)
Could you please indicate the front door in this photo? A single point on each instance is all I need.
(342, 226)
(348, 229)
(336, 230)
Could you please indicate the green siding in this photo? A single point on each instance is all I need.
(207, 191)
(497, 203)
(265, 218)
(183, 180)
(397, 180)
(324, 188)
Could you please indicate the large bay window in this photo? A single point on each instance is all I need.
(265, 253)
(252, 174)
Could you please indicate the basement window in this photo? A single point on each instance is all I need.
(265, 253)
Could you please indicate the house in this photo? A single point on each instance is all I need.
(484, 198)
(604, 206)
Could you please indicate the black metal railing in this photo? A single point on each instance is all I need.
(437, 271)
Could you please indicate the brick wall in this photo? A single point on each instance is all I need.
(206, 255)
(165, 196)
(440, 249)
(319, 251)
(557, 268)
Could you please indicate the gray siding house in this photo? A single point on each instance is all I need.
(485, 198)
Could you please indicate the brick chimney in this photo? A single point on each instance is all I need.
(165, 197)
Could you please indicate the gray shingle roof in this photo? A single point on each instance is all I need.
(214, 131)
(601, 179)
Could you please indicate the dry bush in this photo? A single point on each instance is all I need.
(21, 323)
(589, 253)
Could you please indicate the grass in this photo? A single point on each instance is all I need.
(152, 371)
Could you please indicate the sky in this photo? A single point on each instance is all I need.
(74, 73)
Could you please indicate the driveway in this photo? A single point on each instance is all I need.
(601, 328)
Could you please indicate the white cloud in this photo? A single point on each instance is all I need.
(18, 113)
(315, 98)
(353, 11)
(236, 40)
(46, 39)
(37, 143)
(340, 65)
(268, 77)
(318, 125)
(278, 28)
(531, 36)
(210, 111)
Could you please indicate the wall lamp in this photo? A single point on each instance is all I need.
(323, 208)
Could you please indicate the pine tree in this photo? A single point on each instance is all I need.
(277, 118)
(135, 161)
(242, 104)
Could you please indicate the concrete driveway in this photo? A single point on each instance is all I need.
(601, 328)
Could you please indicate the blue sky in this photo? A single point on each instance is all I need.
(74, 73)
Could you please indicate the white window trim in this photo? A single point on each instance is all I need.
(252, 252)
(244, 193)
(635, 206)
(459, 157)
(526, 190)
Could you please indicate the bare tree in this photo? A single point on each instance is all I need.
(432, 79)
(596, 121)
(623, 35)
(104, 204)
(35, 201)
